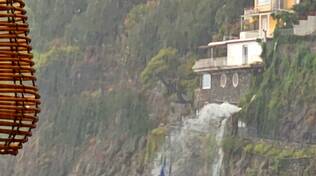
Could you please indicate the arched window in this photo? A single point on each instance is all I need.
(206, 81)
(223, 80)
(235, 80)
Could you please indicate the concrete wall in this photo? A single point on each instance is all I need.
(305, 27)
(249, 34)
(235, 52)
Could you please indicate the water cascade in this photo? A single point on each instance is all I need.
(193, 147)
(219, 160)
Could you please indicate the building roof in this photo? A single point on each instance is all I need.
(212, 44)
(225, 42)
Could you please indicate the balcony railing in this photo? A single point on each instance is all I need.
(220, 61)
(249, 34)
(250, 10)
(271, 6)
(215, 62)
(206, 64)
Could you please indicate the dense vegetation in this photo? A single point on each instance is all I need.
(307, 7)
(97, 104)
(109, 70)
(128, 34)
(286, 88)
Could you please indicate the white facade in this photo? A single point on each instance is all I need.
(249, 34)
(242, 53)
(264, 2)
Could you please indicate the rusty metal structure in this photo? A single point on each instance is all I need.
(19, 98)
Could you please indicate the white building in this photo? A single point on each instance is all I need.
(227, 69)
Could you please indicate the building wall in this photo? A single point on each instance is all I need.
(235, 52)
(272, 26)
(305, 27)
(263, 7)
(290, 4)
(229, 93)
(287, 4)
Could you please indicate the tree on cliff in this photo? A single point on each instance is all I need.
(173, 72)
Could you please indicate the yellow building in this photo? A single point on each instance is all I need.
(258, 21)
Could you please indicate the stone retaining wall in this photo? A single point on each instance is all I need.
(305, 27)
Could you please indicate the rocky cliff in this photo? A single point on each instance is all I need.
(96, 115)
(280, 112)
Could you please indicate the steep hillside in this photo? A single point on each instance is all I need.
(96, 111)
(280, 113)
(283, 105)
(113, 73)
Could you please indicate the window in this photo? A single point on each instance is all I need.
(223, 80)
(263, 2)
(264, 23)
(244, 54)
(206, 81)
(235, 80)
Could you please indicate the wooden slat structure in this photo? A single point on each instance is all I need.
(19, 98)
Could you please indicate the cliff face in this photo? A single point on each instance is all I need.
(284, 104)
(96, 115)
(93, 113)
(281, 114)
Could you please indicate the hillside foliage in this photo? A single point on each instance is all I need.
(286, 87)
(97, 63)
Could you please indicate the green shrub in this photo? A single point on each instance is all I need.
(155, 140)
